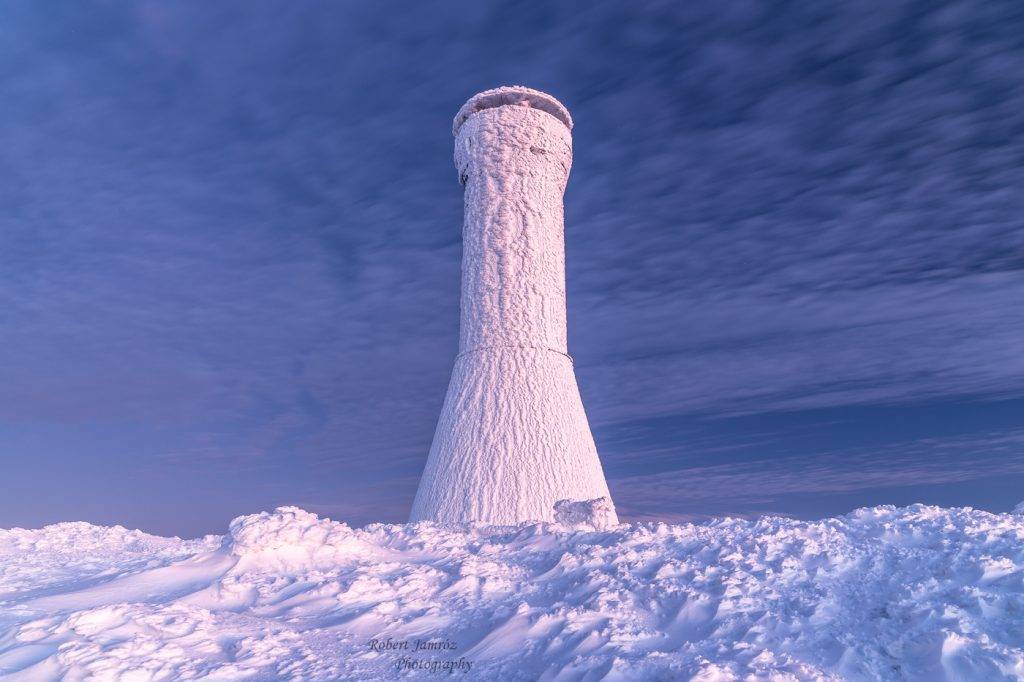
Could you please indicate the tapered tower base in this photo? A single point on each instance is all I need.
(512, 440)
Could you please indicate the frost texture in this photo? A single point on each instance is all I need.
(918, 593)
(512, 438)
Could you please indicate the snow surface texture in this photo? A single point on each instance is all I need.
(512, 438)
(919, 593)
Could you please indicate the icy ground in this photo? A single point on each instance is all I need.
(919, 593)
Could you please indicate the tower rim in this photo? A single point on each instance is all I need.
(511, 95)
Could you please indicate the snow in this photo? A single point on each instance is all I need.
(597, 514)
(513, 437)
(915, 593)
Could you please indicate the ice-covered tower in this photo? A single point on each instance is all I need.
(512, 438)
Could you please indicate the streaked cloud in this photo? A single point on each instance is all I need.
(755, 486)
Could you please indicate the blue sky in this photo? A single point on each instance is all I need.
(230, 243)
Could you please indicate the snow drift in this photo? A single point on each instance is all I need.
(916, 593)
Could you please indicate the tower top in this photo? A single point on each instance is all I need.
(511, 95)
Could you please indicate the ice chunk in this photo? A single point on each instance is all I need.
(597, 513)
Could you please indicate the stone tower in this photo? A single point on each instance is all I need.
(512, 438)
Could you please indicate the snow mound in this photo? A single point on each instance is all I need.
(916, 593)
(291, 539)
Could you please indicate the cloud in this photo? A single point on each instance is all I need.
(753, 487)
(755, 352)
(241, 223)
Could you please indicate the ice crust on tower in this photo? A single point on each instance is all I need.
(512, 438)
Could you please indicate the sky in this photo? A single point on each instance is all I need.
(230, 247)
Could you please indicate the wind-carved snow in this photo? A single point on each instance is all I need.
(513, 437)
(916, 593)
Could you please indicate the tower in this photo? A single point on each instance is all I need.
(512, 438)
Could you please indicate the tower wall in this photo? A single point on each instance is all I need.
(513, 437)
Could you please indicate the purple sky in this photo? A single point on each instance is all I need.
(230, 251)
